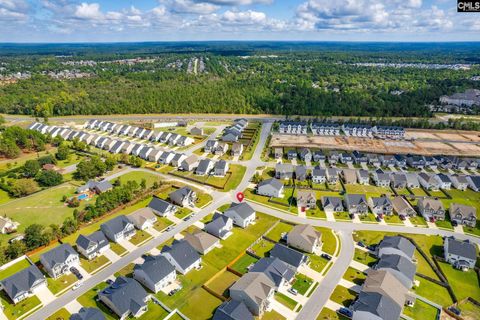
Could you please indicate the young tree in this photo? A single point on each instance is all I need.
(31, 168)
(23, 187)
(15, 249)
(35, 236)
(69, 226)
(62, 152)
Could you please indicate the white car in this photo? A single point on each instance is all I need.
(77, 285)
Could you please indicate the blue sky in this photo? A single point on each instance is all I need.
(170, 20)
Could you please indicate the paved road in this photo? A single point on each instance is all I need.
(314, 305)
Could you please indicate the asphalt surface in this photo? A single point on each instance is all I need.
(320, 296)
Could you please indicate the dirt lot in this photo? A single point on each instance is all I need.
(421, 146)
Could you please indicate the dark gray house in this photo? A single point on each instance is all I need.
(161, 207)
(23, 284)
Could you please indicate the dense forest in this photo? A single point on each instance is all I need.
(276, 78)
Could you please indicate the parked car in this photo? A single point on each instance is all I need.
(326, 256)
(293, 291)
(76, 273)
(345, 312)
(352, 216)
(454, 310)
(361, 244)
(77, 285)
(109, 281)
(372, 247)
(378, 219)
(454, 223)
(403, 218)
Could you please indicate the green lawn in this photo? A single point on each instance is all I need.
(433, 292)
(419, 192)
(464, 284)
(154, 312)
(243, 263)
(281, 228)
(368, 218)
(138, 176)
(317, 263)
(250, 194)
(302, 283)
(328, 239)
(342, 216)
(118, 249)
(393, 219)
(140, 237)
(49, 202)
(418, 221)
(236, 177)
(223, 282)
(445, 224)
(61, 314)
(421, 310)
(355, 276)
(368, 190)
(162, 223)
(126, 271)
(272, 315)
(286, 301)
(364, 257)
(316, 213)
(61, 283)
(182, 213)
(469, 310)
(343, 296)
(14, 268)
(94, 264)
(262, 247)
(328, 314)
(20, 309)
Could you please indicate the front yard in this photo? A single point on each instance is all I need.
(140, 237)
(13, 312)
(94, 264)
(58, 285)
(302, 283)
(343, 296)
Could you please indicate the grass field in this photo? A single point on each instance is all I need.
(355, 276)
(162, 223)
(281, 228)
(469, 310)
(61, 314)
(464, 284)
(368, 190)
(137, 176)
(364, 257)
(250, 194)
(421, 310)
(327, 314)
(302, 283)
(393, 219)
(140, 237)
(433, 292)
(61, 283)
(418, 221)
(118, 249)
(22, 308)
(262, 247)
(14, 268)
(317, 263)
(329, 240)
(223, 282)
(243, 263)
(343, 296)
(94, 264)
(286, 301)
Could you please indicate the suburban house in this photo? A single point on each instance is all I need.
(356, 203)
(242, 214)
(145, 152)
(184, 197)
(255, 290)
(388, 160)
(232, 310)
(166, 157)
(399, 181)
(385, 283)
(417, 162)
(460, 254)
(162, 207)
(474, 183)
(304, 237)
(220, 226)
(412, 180)
(184, 141)
(281, 273)
(125, 297)
(402, 207)
(460, 182)
(155, 155)
(210, 146)
(189, 163)
(402, 268)
(381, 205)
(178, 159)
(278, 153)
(221, 168)
(117, 147)
(237, 149)
(118, 228)
(431, 209)
(332, 204)
(363, 176)
(305, 154)
(325, 128)
(357, 130)
(332, 176)
(374, 160)
(395, 245)
(319, 175)
(283, 171)
(270, 188)
(428, 181)
(204, 167)
(381, 178)
(221, 148)
(88, 314)
(463, 214)
(400, 160)
(293, 127)
(349, 176)
(346, 158)
(301, 173)
(359, 158)
(444, 181)
(182, 256)
(143, 218)
(155, 273)
(23, 284)
(196, 131)
(93, 245)
(289, 255)
(7, 225)
(306, 199)
(333, 157)
(201, 241)
(95, 186)
(59, 260)
(319, 156)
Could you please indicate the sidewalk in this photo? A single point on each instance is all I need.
(112, 256)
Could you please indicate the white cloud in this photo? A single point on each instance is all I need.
(88, 11)
(13, 10)
(235, 2)
(190, 6)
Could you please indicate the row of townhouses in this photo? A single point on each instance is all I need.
(234, 132)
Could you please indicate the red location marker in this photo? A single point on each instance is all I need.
(240, 196)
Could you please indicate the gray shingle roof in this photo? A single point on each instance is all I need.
(116, 224)
(380, 305)
(462, 248)
(88, 314)
(399, 263)
(399, 243)
(276, 184)
(156, 267)
(182, 252)
(288, 255)
(215, 226)
(22, 281)
(95, 238)
(232, 310)
(126, 294)
(275, 269)
(58, 255)
(159, 205)
(242, 209)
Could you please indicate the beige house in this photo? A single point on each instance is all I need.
(143, 218)
(202, 242)
(306, 199)
(256, 290)
(305, 237)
